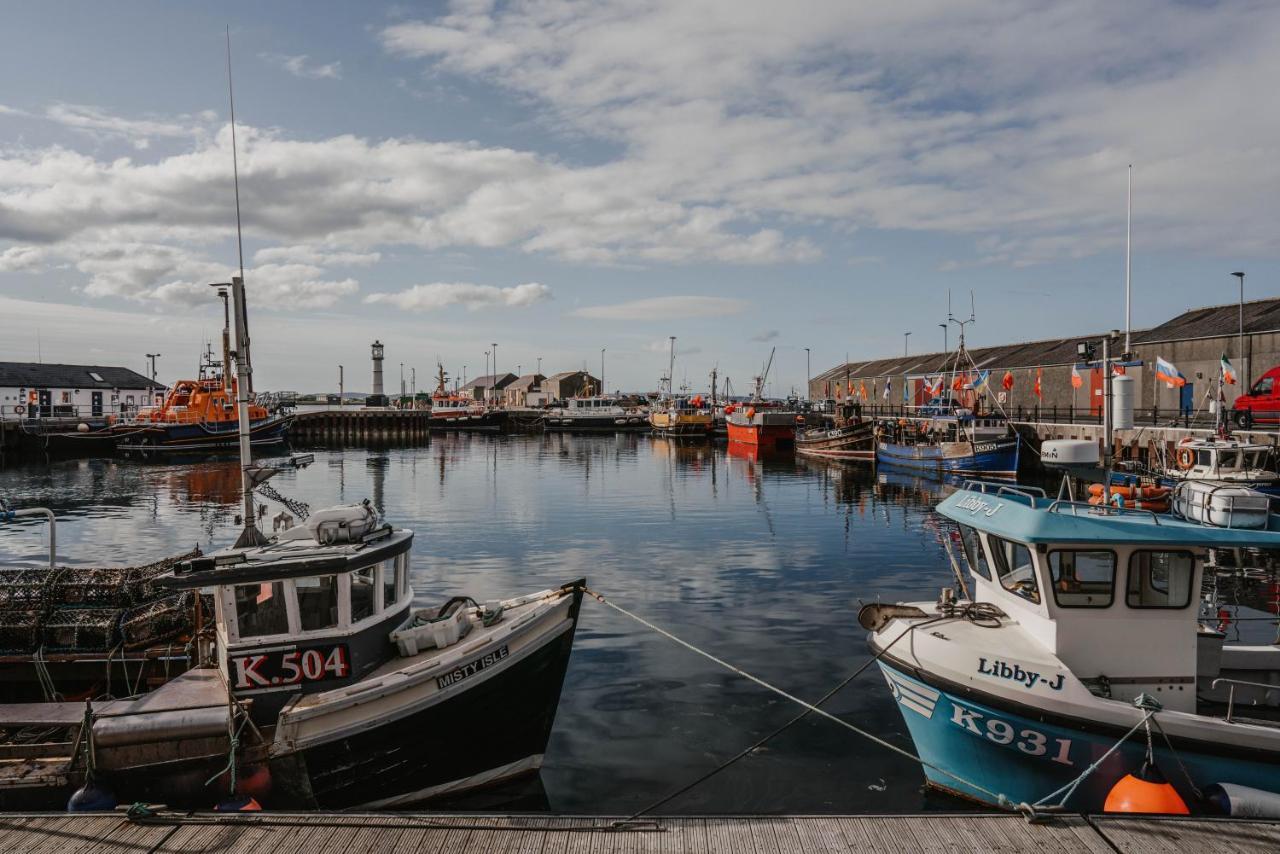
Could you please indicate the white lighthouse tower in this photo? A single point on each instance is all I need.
(377, 398)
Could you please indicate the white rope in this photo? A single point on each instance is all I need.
(998, 798)
(1070, 788)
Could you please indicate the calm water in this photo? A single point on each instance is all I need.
(762, 562)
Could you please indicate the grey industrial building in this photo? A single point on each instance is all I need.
(1194, 341)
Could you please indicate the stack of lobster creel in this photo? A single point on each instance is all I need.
(1153, 498)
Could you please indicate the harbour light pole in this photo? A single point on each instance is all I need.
(539, 364)
(602, 391)
(494, 383)
(905, 337)
(154, 356)
(808, 373)
(1244, 369)
(944, 337)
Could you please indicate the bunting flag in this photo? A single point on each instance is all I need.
(1007, 382)
(1167, 372)
(1228, 372)
(1076, 379)
(982, 382)
(1118, 370)
(862, 389)
(849, 390)
(888, 386)
(957, 384)
(935, 387)
(1036, 387)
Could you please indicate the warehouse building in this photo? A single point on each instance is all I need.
(1194, 342)
(31, 390)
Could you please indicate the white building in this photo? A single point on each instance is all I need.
(36, 390)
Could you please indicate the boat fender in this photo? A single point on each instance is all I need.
(751, 412)
(1242, 801)
(1147, 791)
(91, 797)
(245, 804)
(1185, 458)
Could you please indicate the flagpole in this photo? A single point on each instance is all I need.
(1128, 259)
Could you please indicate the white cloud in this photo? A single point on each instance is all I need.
(301, 66)
(444, 294)
(766, 336)
(315, 255)
(977, 117)
(665, 308)
(23, 259)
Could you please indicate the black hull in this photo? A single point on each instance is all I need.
(490, 422)
(190, 437)
(596, 425)
(509, 718)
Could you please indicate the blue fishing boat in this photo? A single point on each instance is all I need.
(948, 445)
(1073, 671)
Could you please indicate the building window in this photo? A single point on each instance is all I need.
(1014, 567)
(260, 609)
(1160, 579)
(317, 602)
(1083, 579)
(973, 552)
(65, 397)
(362, 592)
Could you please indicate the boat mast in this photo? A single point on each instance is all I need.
(714, 372)
(671, 369)
(1128, 257)
(235, 173)
(226, 341)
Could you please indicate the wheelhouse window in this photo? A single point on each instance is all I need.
(390, 587)
(1160, 579)
(973, 552)
(261, 609)
(1014, 568)
(1083, 579)
(363, 588)
(317, 602)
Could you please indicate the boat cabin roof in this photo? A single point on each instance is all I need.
(288, 558)
(1027, 515)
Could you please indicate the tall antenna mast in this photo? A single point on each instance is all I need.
(235, 173)
(1128, 259)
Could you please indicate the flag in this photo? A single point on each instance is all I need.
(934, 388)
(1228, 372)
(981, 382)
(906, 390)
(1076, 379)
(957, 384)
(1036, 387)
(862, 389)
(849, 390)
(1007, 382)
(1118, 370)
(888, 386)
(839, 391)
(1170, 374)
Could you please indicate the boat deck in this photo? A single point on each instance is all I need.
(318, 833)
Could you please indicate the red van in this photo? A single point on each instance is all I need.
(1261, 405)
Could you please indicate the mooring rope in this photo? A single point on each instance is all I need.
(1000, 799)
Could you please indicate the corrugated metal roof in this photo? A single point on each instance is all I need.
(525, 382)
(41, 375)
(487, 381)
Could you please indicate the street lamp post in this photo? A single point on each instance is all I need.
(944, 337)
(1244, 369)
(602, 386)
(495, 372)
(808, 373)
(905, 337)
(154, 356)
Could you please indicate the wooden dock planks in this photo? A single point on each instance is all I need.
(403, 833)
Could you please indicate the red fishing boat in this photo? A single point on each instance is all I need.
(760, 422)
(452, 411)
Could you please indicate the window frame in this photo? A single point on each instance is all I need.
(997, 557)
(981, 559)
(344, 610)
(374, 610)
(230, 603)
(1115, 572)
(1129, 575)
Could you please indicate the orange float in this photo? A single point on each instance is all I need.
(1132, 492)
(1145, 792)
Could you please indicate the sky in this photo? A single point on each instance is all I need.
(560, 178)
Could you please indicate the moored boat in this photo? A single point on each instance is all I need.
(596, 414)
(450, 411)
(683, 418)
(766, 428)
(950, 445)
(848, 438)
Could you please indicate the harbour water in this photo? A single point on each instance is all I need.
(762, 561)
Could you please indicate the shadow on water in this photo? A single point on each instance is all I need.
(761, 559)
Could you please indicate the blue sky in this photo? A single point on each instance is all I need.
(563, 177)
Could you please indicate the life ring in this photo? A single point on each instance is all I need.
(20, 409)
(1185, 458)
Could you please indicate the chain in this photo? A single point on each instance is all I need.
(299, 509)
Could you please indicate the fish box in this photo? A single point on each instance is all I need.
(423, 632)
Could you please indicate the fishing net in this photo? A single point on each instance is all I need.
(85, 587)
(23, 589)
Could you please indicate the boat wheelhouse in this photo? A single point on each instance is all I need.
(598, 414)
(1080, 625)
(1224, 459)
(683, 417)
(849, 436)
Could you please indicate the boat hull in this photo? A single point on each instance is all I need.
(996, 458)
(841, 443)
(1024, 754)
(764, 436)
(485, 422)
(595, 424)
(201, 436)
(400, 759)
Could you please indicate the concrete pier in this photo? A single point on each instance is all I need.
(360, 426)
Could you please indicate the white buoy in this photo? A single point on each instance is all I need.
(82, 427)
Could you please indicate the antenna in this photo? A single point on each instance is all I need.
(235, 173)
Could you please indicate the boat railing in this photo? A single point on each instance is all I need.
(990, 487)
(1099, 509)
(8, 515)
(1231, 692)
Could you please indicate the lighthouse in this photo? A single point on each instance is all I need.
(377, 398)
